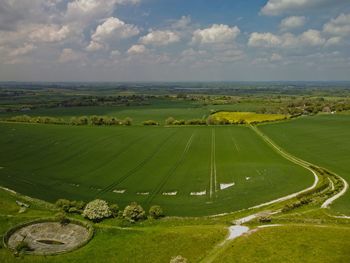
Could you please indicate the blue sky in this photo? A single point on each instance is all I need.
(174, 40)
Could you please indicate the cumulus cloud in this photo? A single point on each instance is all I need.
(160, 38)
(112, 28)
(23, 50)
(264, 40)
(89, 9)
(49, 33)
(216, 34)
(292, 22)
(309, 38)
(69, 55)
(339, 25)
(137, 49)
(182, 23)
(278, 7)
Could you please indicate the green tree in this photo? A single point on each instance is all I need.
(156, 212)
(134, 212)
(97, 210)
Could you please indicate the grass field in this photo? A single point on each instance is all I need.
(323, 140)
(145, 242)
(247, 117)
(291, 244)
(150, 164)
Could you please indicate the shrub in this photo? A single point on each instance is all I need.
(62, 219)
(97, 210)
(127, 121)
(71, 206)
(265, 219)
(156, 212)
(114, 210)
(178, 259)
(64, 204)
(179, 122)
(170, 121)
(134, 212)
(150, 123)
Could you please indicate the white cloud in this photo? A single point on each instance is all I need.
(312, 38)
(309, 38)
(278, 7)
(160, 38)
(292, 22)
(69, 55)
(89, 9)
(264, 40)
(27, 48)
(338, 26)
(111, 29)
(182, 23)
(334, 41)
(275, 57)
(137, 49)
(49, 33)
(95, 46)
(216, 34)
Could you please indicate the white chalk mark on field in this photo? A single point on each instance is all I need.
(142, 193)
(213, 177)
(122, 191)
(225, 186)
(199, 193)
(170, 193)
(236, 231)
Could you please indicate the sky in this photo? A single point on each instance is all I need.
(174, 40)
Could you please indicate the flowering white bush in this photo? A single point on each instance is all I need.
(134, 212)
(97, 210)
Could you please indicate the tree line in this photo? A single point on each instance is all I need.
(77, 121)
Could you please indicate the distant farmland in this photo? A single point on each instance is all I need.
(187, 170)
(323, 140)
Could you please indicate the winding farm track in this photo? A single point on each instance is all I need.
(304, 164)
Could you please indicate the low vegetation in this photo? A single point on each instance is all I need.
(224, 117)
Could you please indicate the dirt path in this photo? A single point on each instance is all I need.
(306, 165)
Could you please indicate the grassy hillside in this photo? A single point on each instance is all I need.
(148, 163)
(290, 244)
(323, 140)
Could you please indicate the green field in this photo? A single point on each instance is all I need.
(323, 140)
(53, 161)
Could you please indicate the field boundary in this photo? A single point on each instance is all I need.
(304, 164)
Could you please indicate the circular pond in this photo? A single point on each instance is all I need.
(47, 238)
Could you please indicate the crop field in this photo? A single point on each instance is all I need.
(323, 140)
(187, 170)
(248, 117)
(159, 110)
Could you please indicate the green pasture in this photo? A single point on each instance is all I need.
(294, 244)
(323, 140)
(147, 164)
